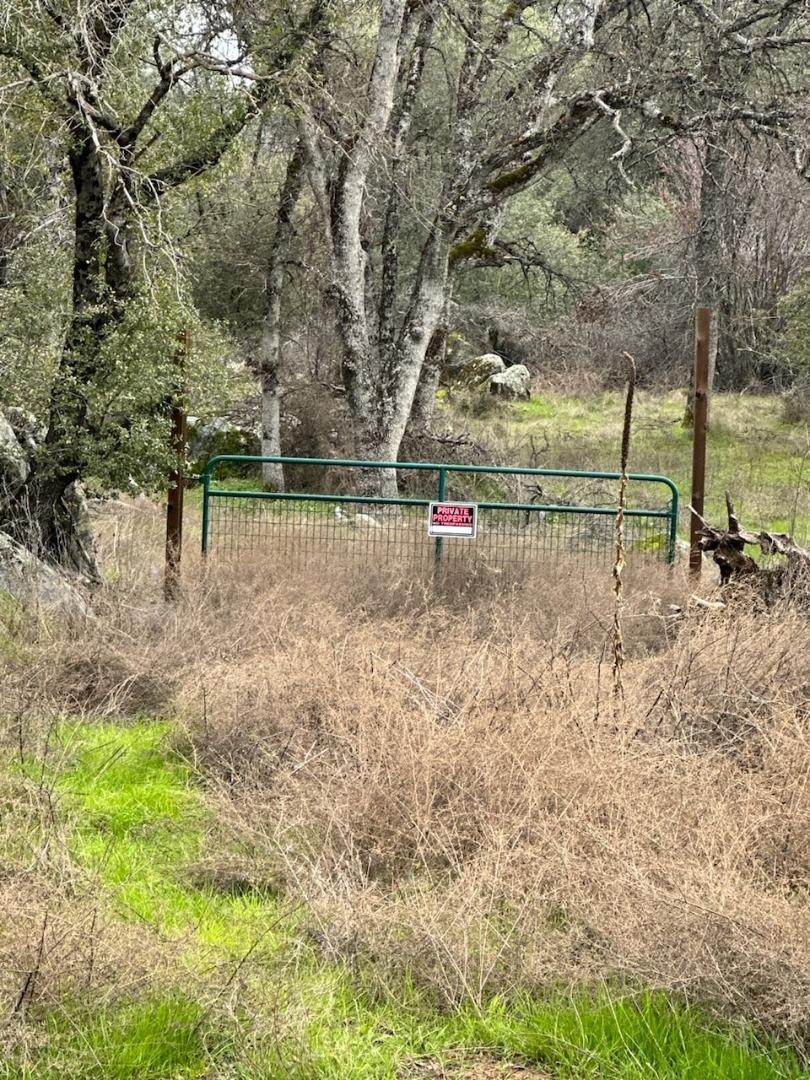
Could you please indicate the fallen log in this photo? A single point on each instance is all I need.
(727, 548)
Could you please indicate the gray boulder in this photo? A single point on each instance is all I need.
(13, 460)
(221, 435)
(514, 384)
(458, 355)
(480, 370)
(30, 433)
(35, 584)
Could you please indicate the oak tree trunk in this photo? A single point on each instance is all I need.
(44, 522)
(273, 474)
(424, 401)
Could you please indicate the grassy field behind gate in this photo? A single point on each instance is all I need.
(754, 452)
(762, 459)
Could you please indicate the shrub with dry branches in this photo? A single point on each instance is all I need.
(443, 783)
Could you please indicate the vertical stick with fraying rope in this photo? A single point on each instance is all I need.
(618, 566)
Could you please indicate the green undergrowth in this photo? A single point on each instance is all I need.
(753, 452)
(151, 1039)
(253, 1000)
(141, 827)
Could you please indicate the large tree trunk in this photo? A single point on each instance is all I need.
(376, 441)
(49, 518)
(383, 349)
(380, 418)
(381, 415)
(43, 524)
(273, 474)
(104, 119)
(378, 400)
(424, 400)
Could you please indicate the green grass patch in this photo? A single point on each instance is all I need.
(141, 826)
(164, 1039)
(605, 1036)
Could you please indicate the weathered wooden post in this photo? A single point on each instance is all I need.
(177, 483)
(703, 319)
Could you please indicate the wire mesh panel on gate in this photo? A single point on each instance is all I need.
(350, 527)
(306, 530)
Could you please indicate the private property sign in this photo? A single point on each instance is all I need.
(453, 519)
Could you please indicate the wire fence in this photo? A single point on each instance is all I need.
(524, 517)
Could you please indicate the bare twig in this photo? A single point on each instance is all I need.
(618, 566)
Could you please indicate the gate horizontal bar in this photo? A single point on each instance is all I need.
(376, 500)
(425, 466)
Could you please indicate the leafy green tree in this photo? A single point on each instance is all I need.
(143, 99)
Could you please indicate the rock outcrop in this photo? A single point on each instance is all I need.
(36, 584)
(14, 466)
(491, 373)
(22, 573)
(479, 371)
(514, 384)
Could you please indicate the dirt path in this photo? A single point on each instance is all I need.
(452, 1066)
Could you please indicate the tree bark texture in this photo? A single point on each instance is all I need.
(424, 400)
(273, 474)
(43, 521)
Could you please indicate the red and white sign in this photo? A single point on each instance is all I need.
(453, 519)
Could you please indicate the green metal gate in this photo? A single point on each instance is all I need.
(525, 516)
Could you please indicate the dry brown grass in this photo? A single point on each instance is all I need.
(444, 782)
(461, 807)
(470, 1067)
(56, 943)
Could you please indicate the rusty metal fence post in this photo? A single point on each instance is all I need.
(703, 318)
(177, 483)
